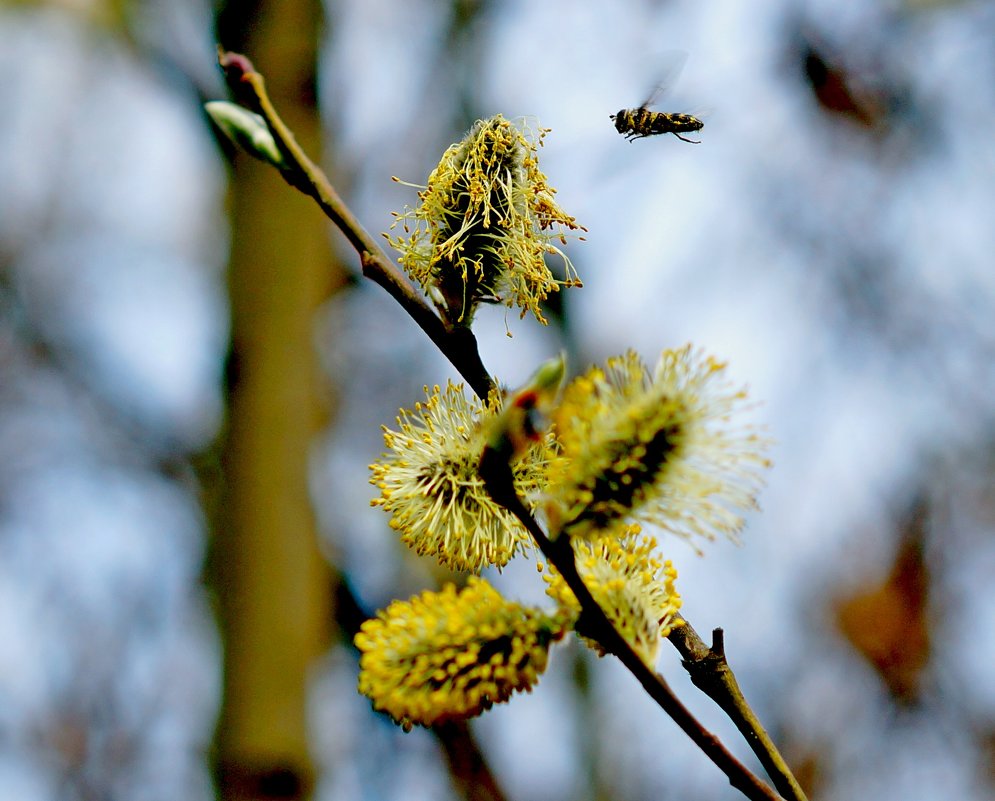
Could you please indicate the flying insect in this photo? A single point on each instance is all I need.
(638, 123)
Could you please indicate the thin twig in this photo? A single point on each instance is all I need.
(459, 345)
(710, 673)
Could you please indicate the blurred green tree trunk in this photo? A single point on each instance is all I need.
(274, 587)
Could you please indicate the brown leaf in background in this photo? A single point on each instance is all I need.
(839, 89)
(888, 624)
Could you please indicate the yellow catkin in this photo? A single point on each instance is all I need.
(484, 224)
(449, 655)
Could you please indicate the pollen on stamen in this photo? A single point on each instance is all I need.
(452, 654)
(630, 582)
(660, 447)
(484, 224)
(429, 482)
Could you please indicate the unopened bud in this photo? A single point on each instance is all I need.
(246, 129)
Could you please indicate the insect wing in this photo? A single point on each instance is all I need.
(653, 98)
(673, 65)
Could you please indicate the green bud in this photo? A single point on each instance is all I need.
(520, 422)
(246, 129)
(547, 378)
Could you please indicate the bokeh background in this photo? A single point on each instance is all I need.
(193, 376)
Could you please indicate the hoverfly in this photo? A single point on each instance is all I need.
(637, 123)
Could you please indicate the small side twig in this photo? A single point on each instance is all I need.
(459, 345)
(710, 673)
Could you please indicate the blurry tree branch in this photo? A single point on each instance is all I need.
(270, 577)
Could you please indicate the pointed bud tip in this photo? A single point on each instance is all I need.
(235, 65)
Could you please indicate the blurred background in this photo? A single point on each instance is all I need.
(192, 380)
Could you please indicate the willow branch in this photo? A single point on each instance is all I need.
(459, 345)
(498, 479)
(710, 673)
